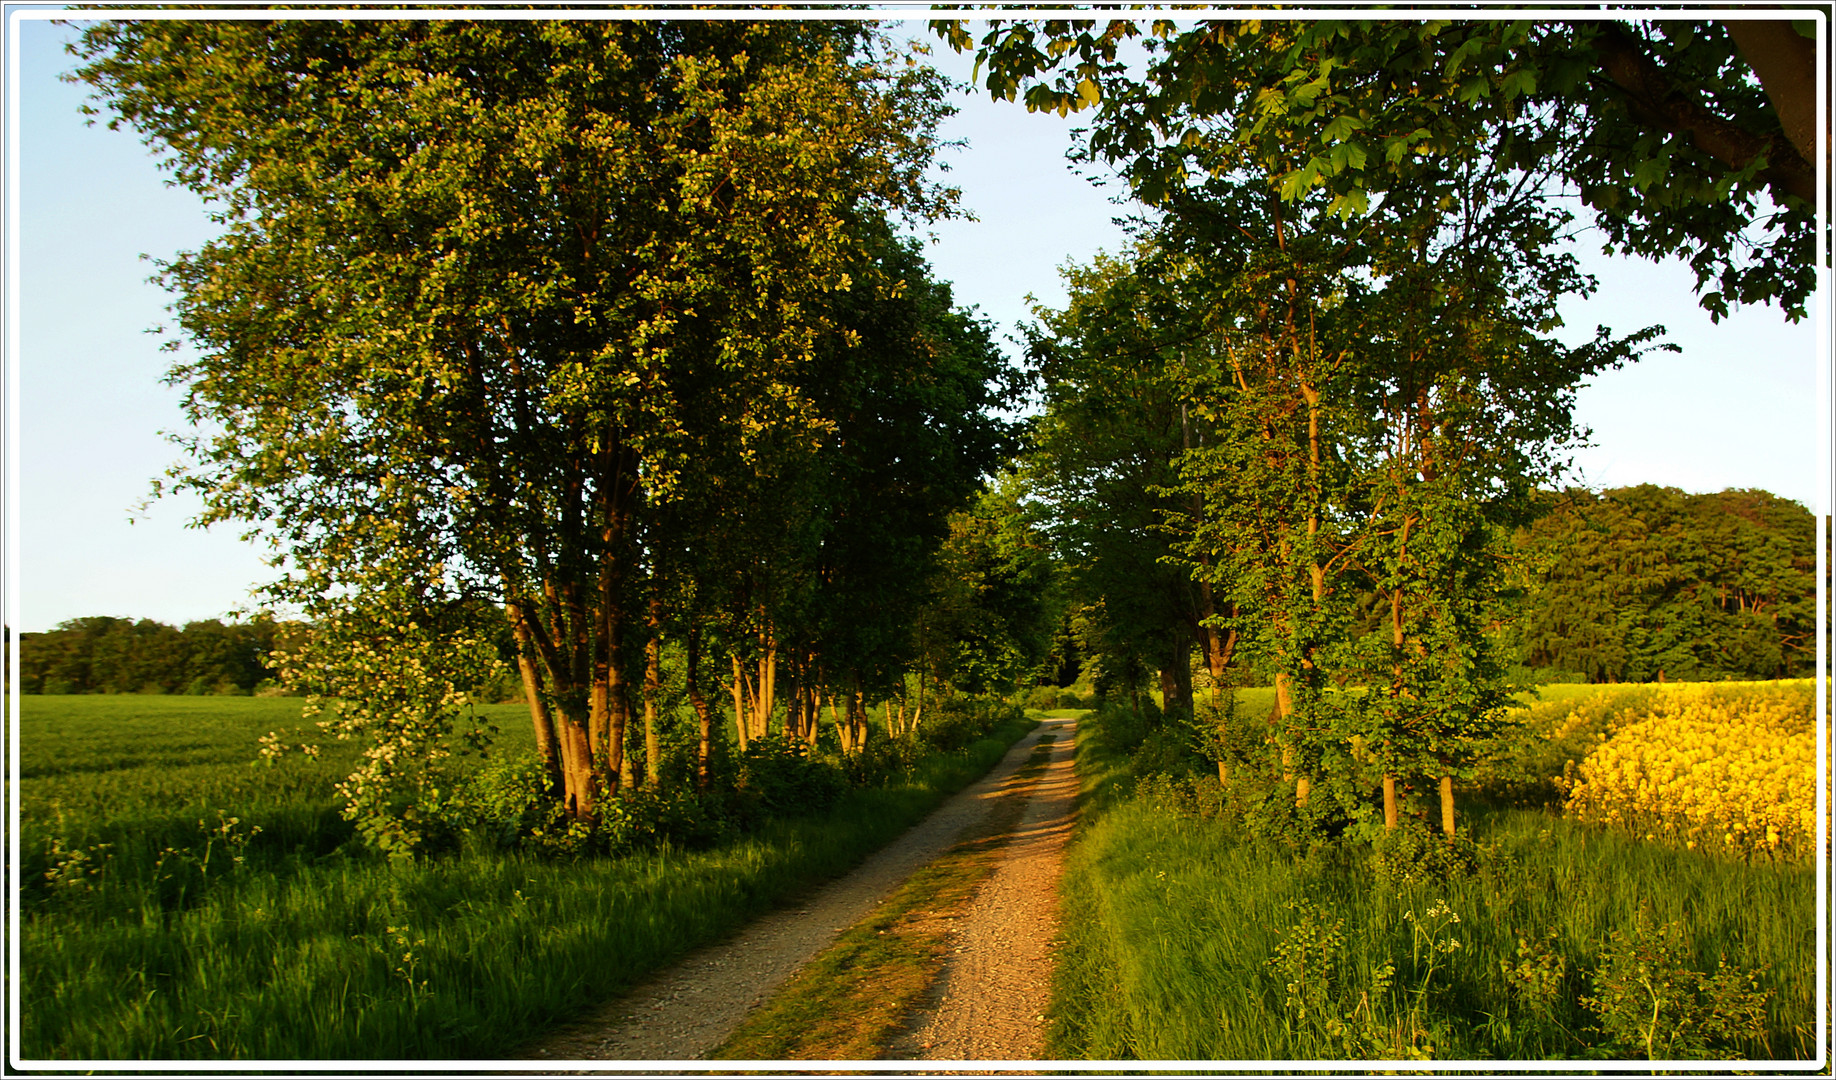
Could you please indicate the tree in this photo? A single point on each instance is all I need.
(1384, 394)
(1104, 454)
(490, 292)
(1689, 138)
(988, 620)
(1646, 583)
(104, 655)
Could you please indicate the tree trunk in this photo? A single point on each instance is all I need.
(1284, 708)
(1389, 802)
(1176, 675)
(741, 717)
(764, 697)
(580, 792)
(653, 685)
(1447, 806)
(704, 750)
(857, 718)
(547, 749)
(619, 763)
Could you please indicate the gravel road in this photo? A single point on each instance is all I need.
(999, 977)
(999, 980)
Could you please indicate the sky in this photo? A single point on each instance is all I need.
(1739, 407)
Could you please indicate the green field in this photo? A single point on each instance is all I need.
(159, 923)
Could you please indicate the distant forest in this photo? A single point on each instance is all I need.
(1635, 584)
(1646, 583)
(106, 655)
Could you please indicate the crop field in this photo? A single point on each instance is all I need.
(1586, 928)
(183, 898)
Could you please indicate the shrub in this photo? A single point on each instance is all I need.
(955, 722)
(881, 759)
(1414, 852)
(1650, 1004)
(780, 775)
(502, 802)
(1045, 697)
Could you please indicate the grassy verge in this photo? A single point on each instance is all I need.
(855, 999)
(1186, 940)
(287, 947)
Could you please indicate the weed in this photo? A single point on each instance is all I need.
(1650, 1004)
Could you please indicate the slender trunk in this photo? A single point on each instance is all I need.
(653, 686)
(704, 749)
(1284, 707)
(765, 691)
(547, 749)
(1176, 674)
(599, 705)
(1389, 801)
(620, 764)
(578, 775)
(742, 719)
(1447, 806)
(857, 718)
(1284, 710)
(611, 698)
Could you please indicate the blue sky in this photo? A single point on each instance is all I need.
(1738, 407)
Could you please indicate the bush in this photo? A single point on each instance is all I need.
(643, 819)
(1042, 698)
(879, 761)
(1414, 852)
(498, 805)
(780, 775)
(955, 722)
(1650, 1004)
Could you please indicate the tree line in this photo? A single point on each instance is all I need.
(1299, 426)
(1633, 584)
(607, 336)
(609, 339)
(106, 655)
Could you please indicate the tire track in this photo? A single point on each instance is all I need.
(689, 1009)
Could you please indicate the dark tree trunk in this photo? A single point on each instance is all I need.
(704, 750)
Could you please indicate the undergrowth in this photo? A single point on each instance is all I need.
(184, 932)
(1195, 932)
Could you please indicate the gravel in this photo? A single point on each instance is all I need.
(994, 991)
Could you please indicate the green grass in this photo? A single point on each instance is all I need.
(309, 949)
(1171, 922)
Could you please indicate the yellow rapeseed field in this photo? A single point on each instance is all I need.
(1713, 766)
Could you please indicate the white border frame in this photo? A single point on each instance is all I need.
(893, 12)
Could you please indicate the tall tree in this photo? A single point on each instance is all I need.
(489, 290)
(1105, 453)
(1377, 357)
(988, 621)
(1689, 137)
(1644, 583)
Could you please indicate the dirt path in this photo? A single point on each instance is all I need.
(998, 983)
(689, 1009)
